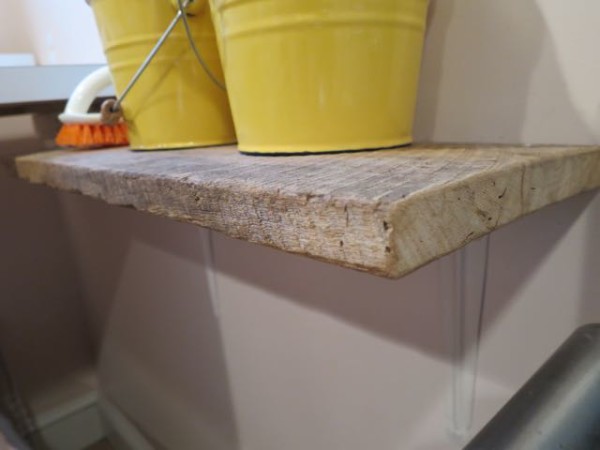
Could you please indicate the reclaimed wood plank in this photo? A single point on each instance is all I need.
(386, 212)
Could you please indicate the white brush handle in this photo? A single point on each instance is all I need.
(84, 94)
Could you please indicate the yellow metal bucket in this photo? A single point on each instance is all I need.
(321, 75)
(174, 103)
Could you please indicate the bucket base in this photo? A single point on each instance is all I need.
(272, 150)
(180, 146)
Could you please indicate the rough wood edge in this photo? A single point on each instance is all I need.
(489, 196)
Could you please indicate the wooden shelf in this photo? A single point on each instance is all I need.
(386, 212)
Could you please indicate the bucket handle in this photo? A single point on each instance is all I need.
(182, 4)
(112, 108)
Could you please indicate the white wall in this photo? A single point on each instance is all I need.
(305, 355)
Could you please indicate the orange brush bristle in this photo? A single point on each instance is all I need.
(86, 136)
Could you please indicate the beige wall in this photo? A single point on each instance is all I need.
(12, 38)
(305, 355)
(511, 71)
(55, 31)
(42, 333)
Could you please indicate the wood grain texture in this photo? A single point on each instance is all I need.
(387, 212)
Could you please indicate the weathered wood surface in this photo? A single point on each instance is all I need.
(385, 212)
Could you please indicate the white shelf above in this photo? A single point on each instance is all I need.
(33, 84)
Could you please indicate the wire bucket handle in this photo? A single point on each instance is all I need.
(111, 109)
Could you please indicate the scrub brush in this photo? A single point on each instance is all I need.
(85, 130)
